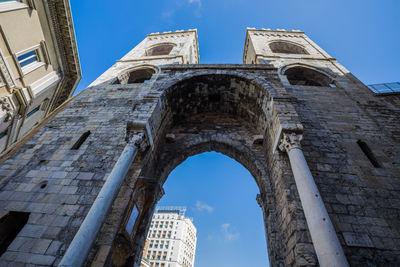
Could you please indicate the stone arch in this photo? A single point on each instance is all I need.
(286, 47)
(137, 74)
(299, 74)
(162, 49)
(212, 98)
(229, 113)
(182, 148)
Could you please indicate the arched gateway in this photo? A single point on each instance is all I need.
(109, 151)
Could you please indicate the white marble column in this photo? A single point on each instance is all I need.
(80, 246)
(326, 243)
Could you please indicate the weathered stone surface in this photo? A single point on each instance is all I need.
(238, 110)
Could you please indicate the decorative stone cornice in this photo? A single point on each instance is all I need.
(60, 17)
(290, 141)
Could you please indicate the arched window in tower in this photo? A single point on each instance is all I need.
(135, 76)
(140, 75)
(286, 48)
(160, 50)
(306, 76)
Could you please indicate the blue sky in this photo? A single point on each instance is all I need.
(363, 35)
(220, 196)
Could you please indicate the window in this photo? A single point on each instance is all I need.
(7, 5)
(160, 50)
(30, 59)
(368, 153)
(33, 111)
(132, 219)
(307, 76)
(10, 226)
(286, 48)
(80, 141)
(135, 76)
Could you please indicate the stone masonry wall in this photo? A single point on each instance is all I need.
(363, 201)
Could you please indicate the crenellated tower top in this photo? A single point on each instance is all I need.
(143, 61)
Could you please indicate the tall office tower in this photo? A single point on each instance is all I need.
(171, 239)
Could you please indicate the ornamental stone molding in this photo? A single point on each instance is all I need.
(6, 107)
(140, 141)
(5, 73)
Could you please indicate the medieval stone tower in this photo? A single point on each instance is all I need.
(322, 148)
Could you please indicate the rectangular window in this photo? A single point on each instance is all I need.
(81, 140)
(132, 220)
(33, 111)
(368, 153)
(28, 58)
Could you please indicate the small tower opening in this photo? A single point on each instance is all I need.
(306, 76)
(140, 75)
(286, 48)
(81, 140)
(160, 50)
(135, 76)
(368, 153)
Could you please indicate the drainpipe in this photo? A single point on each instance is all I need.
(80, 246)
(326, 243)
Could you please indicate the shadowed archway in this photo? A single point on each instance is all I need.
(233, 115)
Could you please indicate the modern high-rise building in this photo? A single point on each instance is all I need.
(171, 240)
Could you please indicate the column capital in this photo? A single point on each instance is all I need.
(140, 141)
(290, 141)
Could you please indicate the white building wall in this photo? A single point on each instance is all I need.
(172, 241)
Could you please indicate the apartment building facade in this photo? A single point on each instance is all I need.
(171, 240)
(39, 64)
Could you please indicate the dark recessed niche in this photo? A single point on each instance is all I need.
(287, 48)
(10, 225)
(368, 153)
(160, 50)
(43, 184)
(81, 140)
(306, 76)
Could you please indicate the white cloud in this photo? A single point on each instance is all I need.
(201, 206)
(167, 14)
(197, 11)
(195, 1)
(228, 234)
